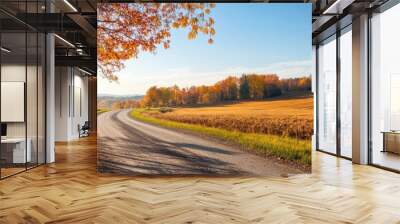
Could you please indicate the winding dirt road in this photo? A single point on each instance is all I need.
(132, 147)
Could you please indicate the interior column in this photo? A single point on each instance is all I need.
(360, 90)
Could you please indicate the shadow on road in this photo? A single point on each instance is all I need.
(139, 154)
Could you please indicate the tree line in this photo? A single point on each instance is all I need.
(246, 87)
(124, 104)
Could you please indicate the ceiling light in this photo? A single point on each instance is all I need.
(337, 7)
(64, 40)
(332, 7)
(5, 50)
(79, 51)
(84, 71)
(70, 5)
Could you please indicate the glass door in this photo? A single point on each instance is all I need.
(327, 96)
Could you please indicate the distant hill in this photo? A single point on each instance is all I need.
(119, 97)
(105, 101)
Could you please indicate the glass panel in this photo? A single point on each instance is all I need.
(23, 82)
(327, 96)
(386, 89)
(13, 79)
(16, 8)
(346, 94)
(41, 98)
(31, 98)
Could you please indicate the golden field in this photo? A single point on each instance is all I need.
(291, 117)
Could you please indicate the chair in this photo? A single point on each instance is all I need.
(84, 130)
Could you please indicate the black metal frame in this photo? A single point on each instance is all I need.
(339, 32)
(369, 100)
(338, 98)
(316, 97)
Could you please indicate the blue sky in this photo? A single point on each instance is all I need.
(260, 38)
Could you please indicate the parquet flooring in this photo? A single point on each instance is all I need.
(71, 191)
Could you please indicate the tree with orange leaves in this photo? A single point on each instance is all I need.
(125, 29)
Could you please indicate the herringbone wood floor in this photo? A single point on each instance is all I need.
(71, 191)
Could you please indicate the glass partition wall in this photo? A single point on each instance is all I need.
(334, 83)
(13, 89)
(22, 77)
(327, 95)
(385, 89)
(334, 95)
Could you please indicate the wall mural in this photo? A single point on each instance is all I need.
(204, 89)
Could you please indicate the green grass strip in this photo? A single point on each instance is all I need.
(99, 111)
(287, 148)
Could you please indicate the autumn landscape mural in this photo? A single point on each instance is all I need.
(204, 89)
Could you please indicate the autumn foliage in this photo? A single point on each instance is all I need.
(247, 87)
(125, 29)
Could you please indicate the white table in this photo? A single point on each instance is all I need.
(18, 144)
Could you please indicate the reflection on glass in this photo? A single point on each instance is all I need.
(31, 101)
(327, 96)
(41, 98)
(346, 94)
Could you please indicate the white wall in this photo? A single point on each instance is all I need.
(12, 73)
(62, 82)
(71, 102)
(80, 110)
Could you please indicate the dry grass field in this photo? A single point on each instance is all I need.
(290, 117)
(281, 127)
